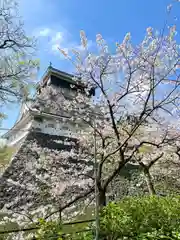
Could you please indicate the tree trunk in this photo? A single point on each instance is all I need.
(101, 203)
(102, 198)
(149, 182)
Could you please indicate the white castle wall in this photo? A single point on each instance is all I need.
(53, 127)
(48, 126)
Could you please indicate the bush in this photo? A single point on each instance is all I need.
(54, 230)
(149, 217)
(48, 230)
(133, 218)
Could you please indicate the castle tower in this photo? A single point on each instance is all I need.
(40, 114)
(43, 172)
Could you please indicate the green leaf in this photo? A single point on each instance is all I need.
(139, 218)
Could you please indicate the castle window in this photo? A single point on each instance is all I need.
(37, 129)
(38, 118)
(50, 125)
(65, 128)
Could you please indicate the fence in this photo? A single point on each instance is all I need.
(32, 229)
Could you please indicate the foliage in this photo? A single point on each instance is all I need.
(54, 230)
(80, 236)
(17, 63)
(136, 218)
(142, 218)
(132, 218)
(157, 235)
(134, 115)
(48, 230)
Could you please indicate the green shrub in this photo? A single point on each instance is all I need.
(49, 230)
(54, 230)
(142, 218)
(133, 218)
(80, 236)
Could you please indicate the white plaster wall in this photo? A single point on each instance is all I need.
(16, 136)
(59, 128)
(51, 127)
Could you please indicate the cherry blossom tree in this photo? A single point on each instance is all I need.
(133, 117)
(136, 103)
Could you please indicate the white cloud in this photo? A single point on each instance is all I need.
(51, 38)
(55, 47)
(57, 41)
(44, 32)
(58, 37)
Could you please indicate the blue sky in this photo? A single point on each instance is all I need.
(58, 22)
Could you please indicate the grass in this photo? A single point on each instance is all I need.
(6, 155)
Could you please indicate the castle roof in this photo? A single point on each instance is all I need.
(63, 76)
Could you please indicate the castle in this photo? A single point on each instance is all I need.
(42, 172)
(33, 111)
(38, 174)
